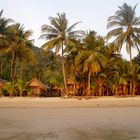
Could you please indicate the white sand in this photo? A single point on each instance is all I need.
(106, 118)
(60, 102)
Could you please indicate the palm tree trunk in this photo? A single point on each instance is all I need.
(1, 67)
(20, 93)
(100, 89)
(12, 66)
(10, 94)
(88, 88)
(21, 70)
(63, 71)
(116, 91)
(134, 88)
(15, 68)
(130, 87)
(130, 49)
(74, 89)
(124, 90)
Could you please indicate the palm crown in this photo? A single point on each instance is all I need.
(126, 28)
(58, 35)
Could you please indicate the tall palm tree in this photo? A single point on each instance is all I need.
(4, 23)
(59, 35)
(3, 27)
(17, 39)
(134, 76)
(90, 60)
(126, 28)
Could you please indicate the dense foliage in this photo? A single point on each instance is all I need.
(85, 58)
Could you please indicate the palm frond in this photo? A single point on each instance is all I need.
(72, 26)
(48, 36)
(115, 24)
(114, 33)
(47, 28)
(55, 24)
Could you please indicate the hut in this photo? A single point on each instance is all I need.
(37, 87)
(73, 87)
(55, 91)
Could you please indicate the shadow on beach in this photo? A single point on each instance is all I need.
(78, 134)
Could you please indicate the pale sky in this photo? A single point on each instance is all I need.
(93, 13)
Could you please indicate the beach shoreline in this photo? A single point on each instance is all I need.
(70, 102)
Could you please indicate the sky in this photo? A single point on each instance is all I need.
(92, 13)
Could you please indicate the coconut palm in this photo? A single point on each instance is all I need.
(90, 60)
(71, 65)
(126, 28)
(25, 55)
(134, 76)
(17, 39)
(10, 88)
(59, 35)
(21, 86)
(3, 29)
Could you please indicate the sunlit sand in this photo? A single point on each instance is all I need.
(74, 102)
(105, 118)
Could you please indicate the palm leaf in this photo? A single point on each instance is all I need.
(72, 26)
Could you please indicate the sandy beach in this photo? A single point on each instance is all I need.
(73, 102)
(105, 118)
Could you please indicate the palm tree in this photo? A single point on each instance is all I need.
(90, 60)
(25, 55)
(134, 76)
(116, 69)
(126, 28)
(59, 35)
(10, 88)
(21, 86)
(71, 65)
(3, 29)
(17, 40)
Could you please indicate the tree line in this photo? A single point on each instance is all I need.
(85, 57)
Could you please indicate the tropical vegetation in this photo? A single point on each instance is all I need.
(74, 61)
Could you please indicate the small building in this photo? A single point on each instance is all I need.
(72, 87)
(37, 87)
(55, 91)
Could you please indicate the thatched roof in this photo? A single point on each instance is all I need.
(55, 87)
(36, 83)
(71, 82)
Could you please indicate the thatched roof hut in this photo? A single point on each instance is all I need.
(55, 91)
(72, 86)
(36, 86)
(70, 82)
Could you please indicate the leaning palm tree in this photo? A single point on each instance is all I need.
(126, 28)
(59, 35)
